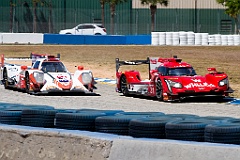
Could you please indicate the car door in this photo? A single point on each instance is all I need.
(88, 29)
(79, 29)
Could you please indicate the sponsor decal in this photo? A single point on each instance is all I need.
(63, 78)
(199, 85)
(13, 69)
(220, 76)
(172, 78)
(196, 80)
(182, 65)
(129, 62)
(153, 61)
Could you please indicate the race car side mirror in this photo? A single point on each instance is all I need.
(24, 67)
(80, 68)
(212, 70)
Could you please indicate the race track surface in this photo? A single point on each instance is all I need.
(109, 99)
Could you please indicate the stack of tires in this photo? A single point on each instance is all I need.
(186, 127)
(149, 127)
(228, 133)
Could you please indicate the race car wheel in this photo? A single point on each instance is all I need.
(123, 85)
(5, 78)
(27, 83)
(159, 90)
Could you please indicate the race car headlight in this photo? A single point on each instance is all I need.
(174, 84)
(171, 84)
(223, 82)
(86, 77)
(39, 77)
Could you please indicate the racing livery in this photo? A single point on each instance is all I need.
(170, 79)
(46, 74)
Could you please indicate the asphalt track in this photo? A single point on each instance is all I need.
(107, 98)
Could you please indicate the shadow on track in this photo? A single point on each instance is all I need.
(190, 99)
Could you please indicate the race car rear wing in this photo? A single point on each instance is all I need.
(4, 59)
(153, 62)
(33, 57)
(130, 62)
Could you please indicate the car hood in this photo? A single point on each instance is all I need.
(195, 82)
(66, 31)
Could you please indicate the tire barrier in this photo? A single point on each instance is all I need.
(228, 133)
(38, 118)
(183, 116)
(187, 130)
(118, 124)
(149, 127)
(10, 117)
(107, 112)
(183, 38)
(185, 127)
(77, 121)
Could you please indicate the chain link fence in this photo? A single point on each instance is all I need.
(26, 19)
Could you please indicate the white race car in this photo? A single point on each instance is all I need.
(47, 74)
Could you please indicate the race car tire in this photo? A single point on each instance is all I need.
(159, 90)
(5, 78)
(27, 83)
(123, 85)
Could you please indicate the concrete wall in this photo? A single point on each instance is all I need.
(29, 143)
(1, 41)
(22, 38)
(156, 38)
(22, 142)
(38, 38)
(97, 40)
(145, 149)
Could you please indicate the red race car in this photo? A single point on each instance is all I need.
(170, 79)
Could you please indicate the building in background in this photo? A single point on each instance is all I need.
(131, 18)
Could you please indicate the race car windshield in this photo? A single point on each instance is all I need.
(183, 71)
(53, 67)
